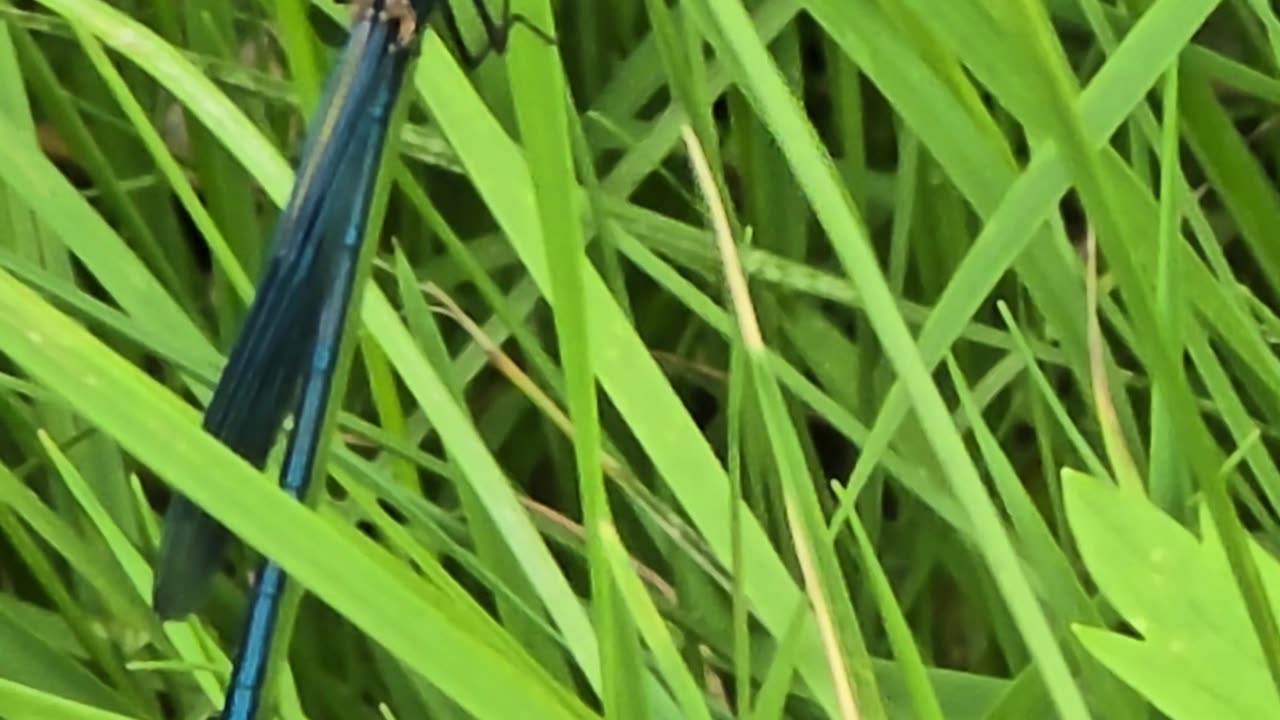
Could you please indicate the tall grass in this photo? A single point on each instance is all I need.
(787, 358)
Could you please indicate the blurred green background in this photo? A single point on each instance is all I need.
(948, 390)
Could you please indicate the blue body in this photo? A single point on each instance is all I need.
(284, 357)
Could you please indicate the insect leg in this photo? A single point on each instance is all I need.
(497, 31)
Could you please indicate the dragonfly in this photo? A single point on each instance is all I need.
(284, 357)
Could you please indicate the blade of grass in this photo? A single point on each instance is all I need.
(541, 99)
(813, 169)
(91, 378)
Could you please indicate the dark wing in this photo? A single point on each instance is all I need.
(263, 372)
